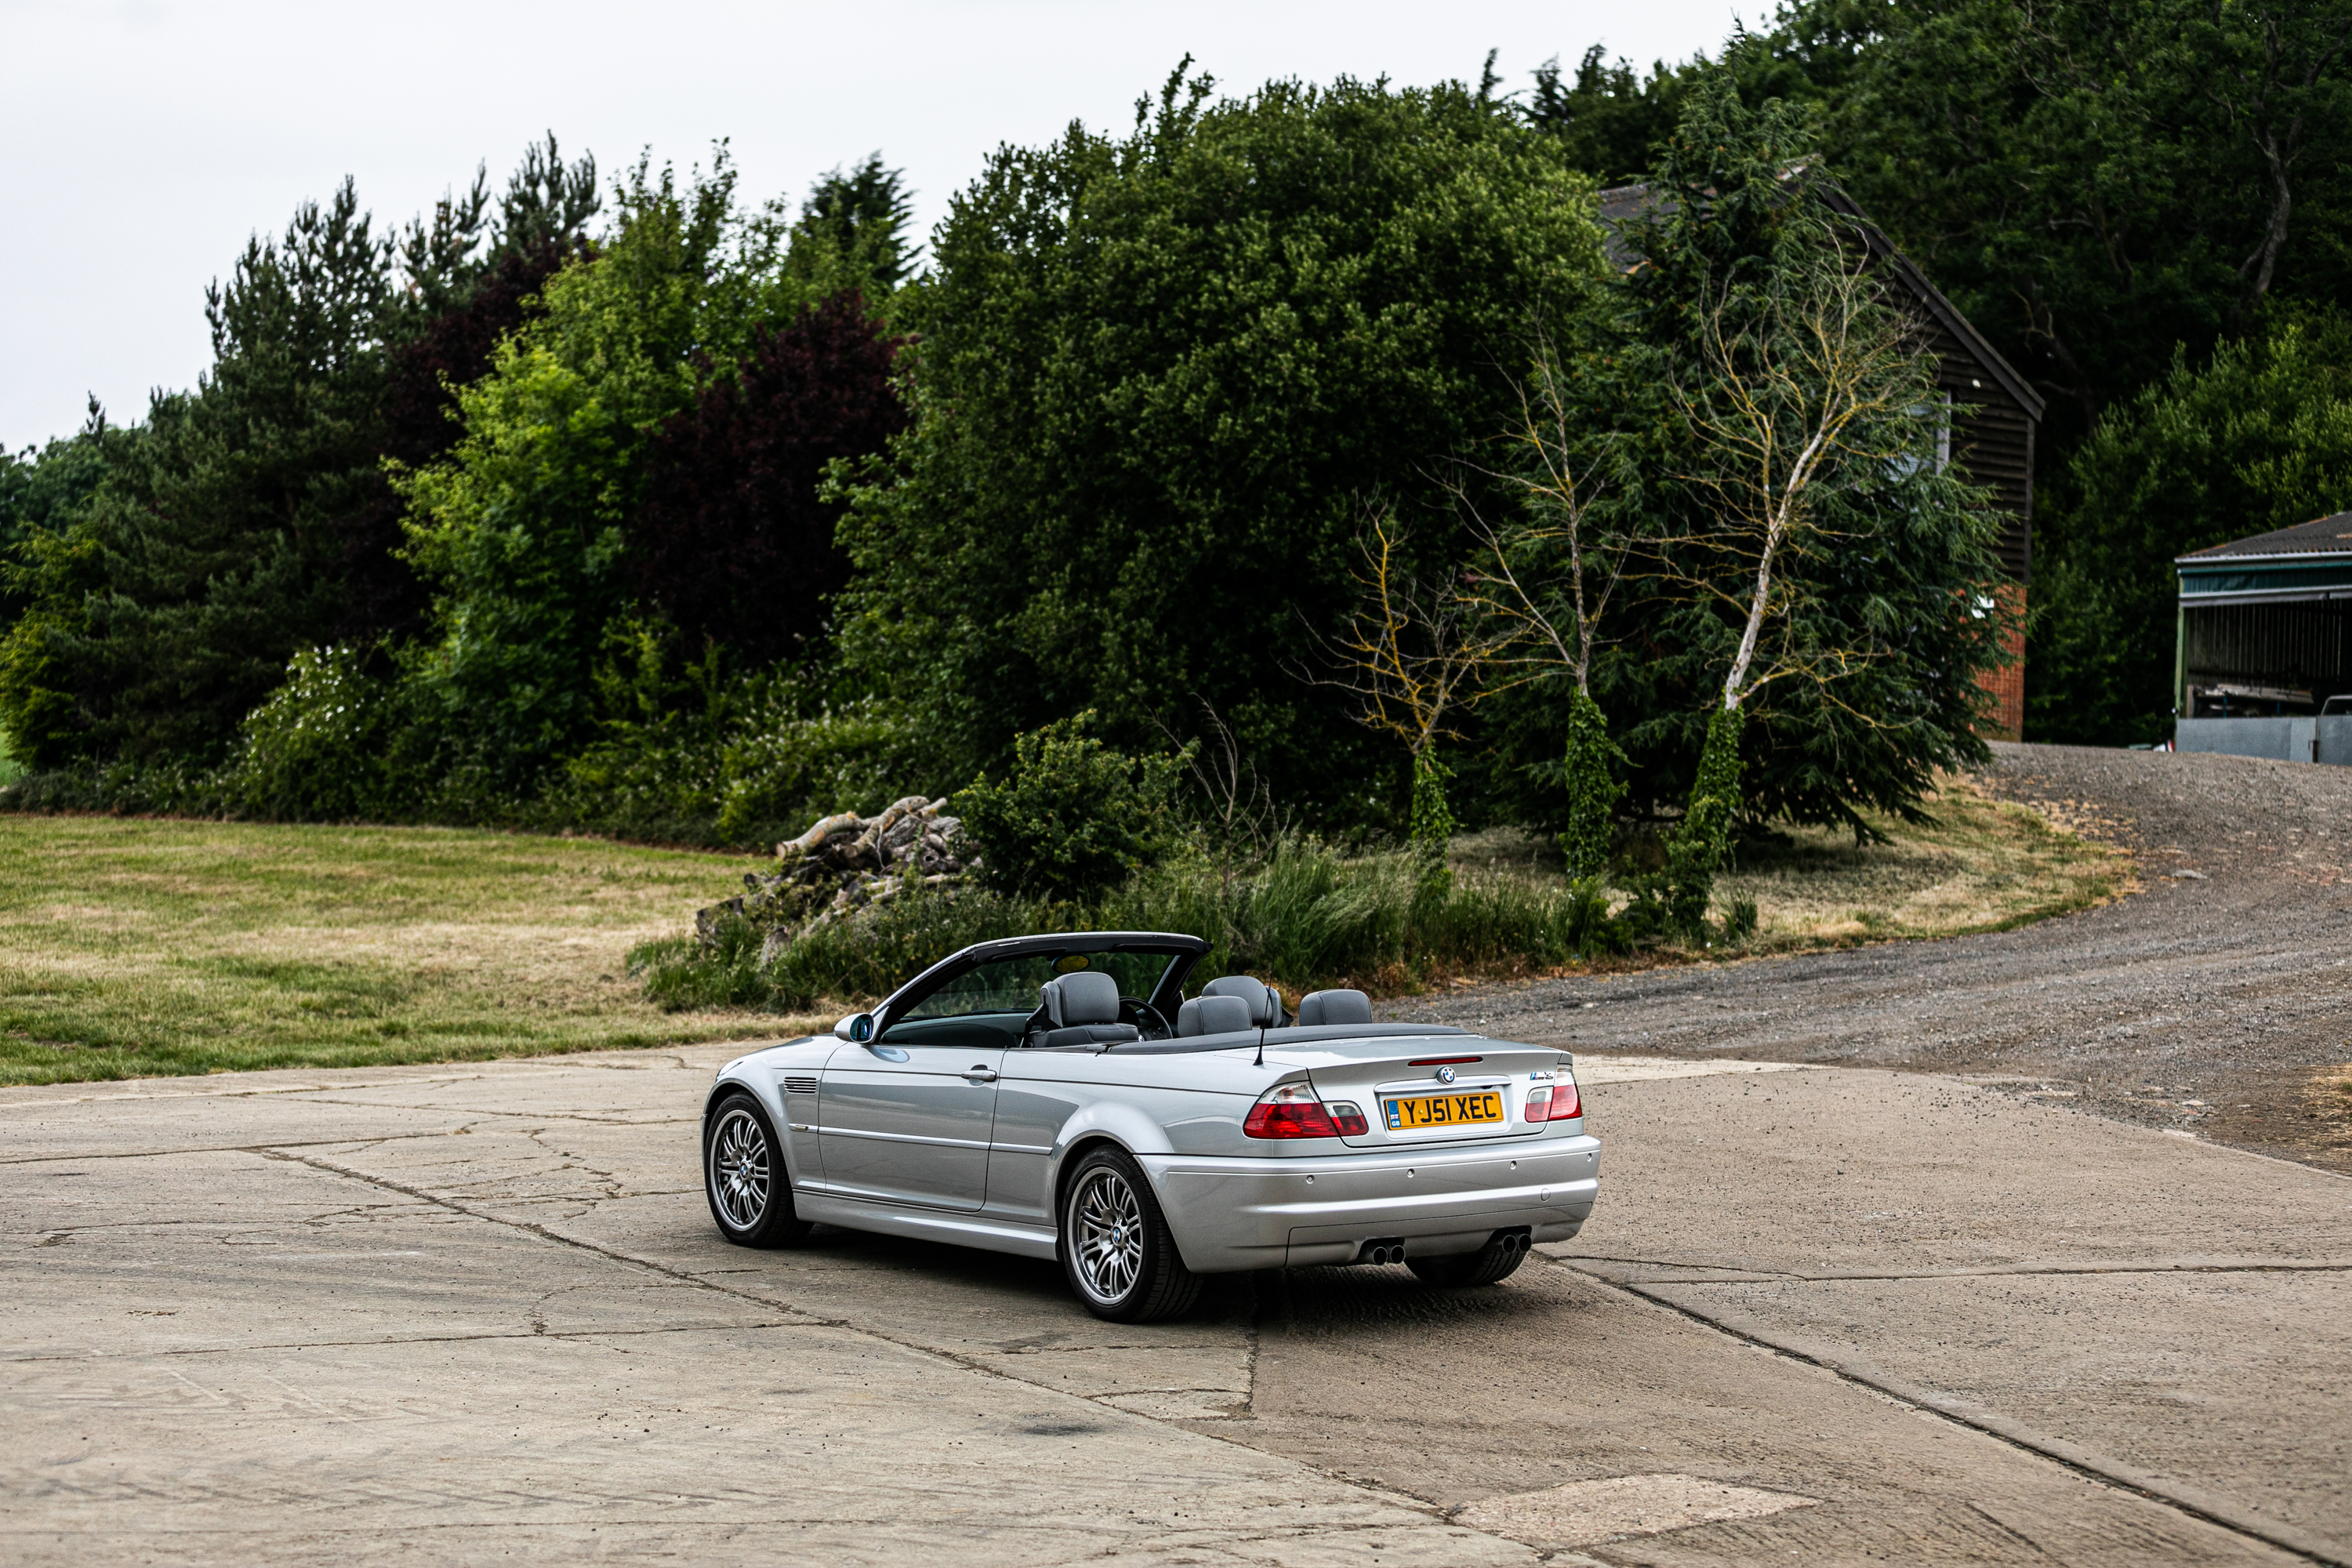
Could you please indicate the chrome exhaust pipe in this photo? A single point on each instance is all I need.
(1383, 1249)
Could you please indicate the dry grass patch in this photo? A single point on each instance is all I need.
(130, 948)
(2329, 1098)
(1979, 865)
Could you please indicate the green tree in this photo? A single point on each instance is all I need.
(46, 573)
(2093, 184)
(2257, 436)
(1158, 376)
(1817, 573)
(852, 231)
(1609, 119)
(247, 519)
(522, 531)
(167, 605)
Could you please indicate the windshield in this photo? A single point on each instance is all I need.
(1010, 984)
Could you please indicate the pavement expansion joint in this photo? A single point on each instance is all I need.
(193, 1351)
(490, 1111)
(1747, 1274)
(2192, 1501)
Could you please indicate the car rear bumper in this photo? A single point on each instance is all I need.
(1228, 1215)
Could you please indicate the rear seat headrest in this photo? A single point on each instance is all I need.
(1212, 1016)
(1264, 1003)
(1335, 1007)
(1085, 997)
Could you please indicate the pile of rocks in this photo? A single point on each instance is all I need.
(842, 865)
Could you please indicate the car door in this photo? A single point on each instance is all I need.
(908, 1117)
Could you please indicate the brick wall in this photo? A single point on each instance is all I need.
(2005, 721)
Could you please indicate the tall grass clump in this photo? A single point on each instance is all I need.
(1311, 915)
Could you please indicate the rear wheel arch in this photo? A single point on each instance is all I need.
(1072, 1157)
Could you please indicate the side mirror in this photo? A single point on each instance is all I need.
(856, 1028)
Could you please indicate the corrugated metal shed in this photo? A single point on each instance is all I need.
(2265, 625)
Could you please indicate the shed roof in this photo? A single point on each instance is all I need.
(2322, 536)
(1620, 204)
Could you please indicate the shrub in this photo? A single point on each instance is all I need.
(753, 760)
(1075, 817)
(681, 974)
(313, 751)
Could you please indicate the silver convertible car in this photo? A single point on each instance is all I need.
(1060, 1097)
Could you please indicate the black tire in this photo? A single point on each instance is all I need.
(1115, 1250)
(1490, 1263)
(743, 1175)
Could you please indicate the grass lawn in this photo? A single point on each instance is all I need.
(130, 948)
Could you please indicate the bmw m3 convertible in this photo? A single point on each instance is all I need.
(1061, 1097)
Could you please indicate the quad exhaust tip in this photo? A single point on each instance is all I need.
(1391, 1249)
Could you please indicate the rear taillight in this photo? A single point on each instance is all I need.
(1553, 1102)
(1292, 1111)
(1349, 1118)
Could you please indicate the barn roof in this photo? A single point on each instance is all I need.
(1621, 205)
(2322, 536)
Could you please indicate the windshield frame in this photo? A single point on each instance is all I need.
(1184, 952)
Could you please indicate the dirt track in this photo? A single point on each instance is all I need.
(2217, 998)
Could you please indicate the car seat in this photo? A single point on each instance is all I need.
(1264, 1002)
(1335, 1007)
(1082, 1009)
(1212, 1016)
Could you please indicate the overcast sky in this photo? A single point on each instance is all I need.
(147, 139)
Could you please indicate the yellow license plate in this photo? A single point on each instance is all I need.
(1443, 1109)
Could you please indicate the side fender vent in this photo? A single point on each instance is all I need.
(799, 1085)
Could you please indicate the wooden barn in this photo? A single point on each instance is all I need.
(1994, 415)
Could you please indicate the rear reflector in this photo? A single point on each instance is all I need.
(1291, 1110)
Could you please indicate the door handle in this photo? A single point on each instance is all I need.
(981, 1072)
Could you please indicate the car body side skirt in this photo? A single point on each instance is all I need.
(956, 1227)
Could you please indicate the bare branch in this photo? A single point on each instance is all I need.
(1797, 392)
(1413, 653)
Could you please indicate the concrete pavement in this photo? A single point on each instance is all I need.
(1833, 1315)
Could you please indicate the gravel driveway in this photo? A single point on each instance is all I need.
(2216, 998)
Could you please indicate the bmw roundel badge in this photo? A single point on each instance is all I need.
(1445, 1074)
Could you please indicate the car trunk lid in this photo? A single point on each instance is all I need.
(1447, 1089)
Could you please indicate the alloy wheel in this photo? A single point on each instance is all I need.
(1109, 1236)
(740, 1179)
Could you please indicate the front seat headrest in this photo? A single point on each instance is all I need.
(1088, 996)
(1335, 1007)
(1264, 1003)
(1212, 1016)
